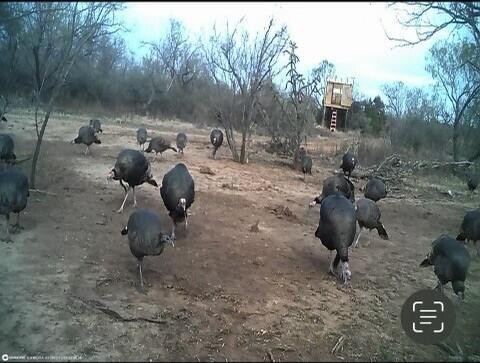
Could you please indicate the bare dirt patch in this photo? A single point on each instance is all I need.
(225, 291)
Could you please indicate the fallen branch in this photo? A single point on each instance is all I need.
(43, 192)
(18, 161)
(101, 307)
(339, 345)
(389, 158)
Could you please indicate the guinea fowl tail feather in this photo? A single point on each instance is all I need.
(382, 232)
(425, 262)
(171, 147)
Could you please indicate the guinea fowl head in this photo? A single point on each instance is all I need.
(180, 209)
(152, 181)
(112, 175)
(426, 261)
(167, 239)
(182, 203)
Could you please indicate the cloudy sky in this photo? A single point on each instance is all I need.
(350, 35)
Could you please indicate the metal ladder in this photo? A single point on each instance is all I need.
(333, 123)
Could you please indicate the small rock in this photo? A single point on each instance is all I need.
(255, 227)
(206, 170)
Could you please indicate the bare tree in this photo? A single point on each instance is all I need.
(55, 35)
(396, 97)
(171, 58)
(240, 68)
(321, 74)
(298, 106)
(460, 85)
(10, 17)
(429, 18)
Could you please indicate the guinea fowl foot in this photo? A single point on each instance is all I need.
(141, 289)
(120, 210)
(16, 228)
(345, 274)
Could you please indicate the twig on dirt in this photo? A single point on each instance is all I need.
(18, 161)
(43, 192)
(445, 348)
(339, 345)
(386, 160)
(100, 306)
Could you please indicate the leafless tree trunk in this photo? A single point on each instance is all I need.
(55, 36)
(240, 68)
(171, 59)
(298, 107)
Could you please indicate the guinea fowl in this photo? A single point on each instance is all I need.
(6, 149)
(159, 145)
(216, 138)
(145, 236)
(368, 217)
(181, 142)
(86, 135)
(348, 163)
(306, 162)
(375, 189)
(451, 261)
(470, 228)
(133, 168)
(333, 184)
(97, 126)
(336, 229)
(178, 193)
(142, 137)
(472, 182)
(14, 193)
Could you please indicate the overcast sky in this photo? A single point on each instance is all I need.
(350, 35)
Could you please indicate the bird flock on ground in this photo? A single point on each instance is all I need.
(339, 210)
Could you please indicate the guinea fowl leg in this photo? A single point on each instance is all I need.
(173, 230)
(126, 196)
(140, 264)
(17, 227)
(134, 198)
(86, 150)
(355, 244)
(331, 269)
(6, 238)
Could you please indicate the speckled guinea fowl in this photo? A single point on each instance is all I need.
(145, 236)
(14, 193)
(133, 168)
(451, 262)
(336, 229)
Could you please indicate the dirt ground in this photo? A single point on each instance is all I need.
(224, 292)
